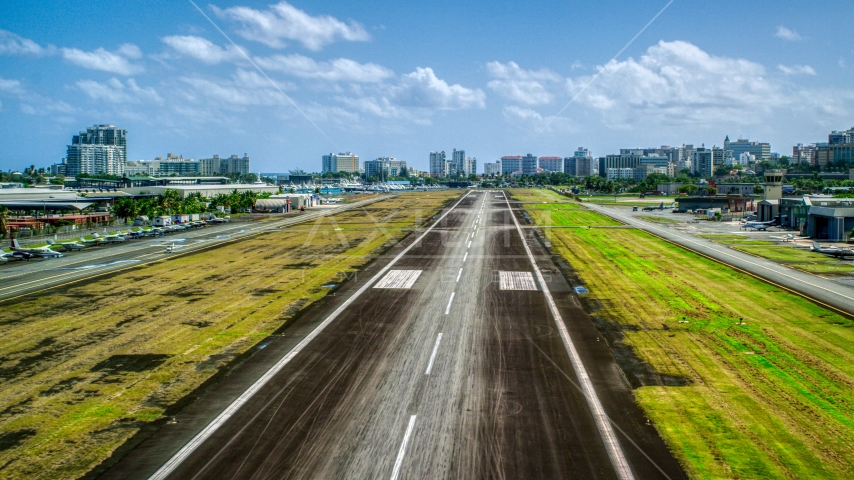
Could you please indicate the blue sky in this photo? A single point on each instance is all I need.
(400, 79)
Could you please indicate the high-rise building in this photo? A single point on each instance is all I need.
(762, 151)
(579, 164)
(217, 165)
(529, 165)
(378, 169)
(702, 160)
(342, 162)
(492, 169)
(584, 166)
(511, 164)
(438, 164)
(100, 150)
(397, 167)
(552, 164)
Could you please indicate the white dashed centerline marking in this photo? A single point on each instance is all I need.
(448, 308)
(395, 473)
(469, 245)
(465, 257)
(433, 355)
(459, 275)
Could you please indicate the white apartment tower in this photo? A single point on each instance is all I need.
(100, 150)
(438, 164)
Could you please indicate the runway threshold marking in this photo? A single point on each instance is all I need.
(403, 279)
(398, 462)
(167, 468)
(603, 423)
(433, 355)
(516, 281)
(450, 301)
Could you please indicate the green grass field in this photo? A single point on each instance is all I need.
(772, 398)
(89, 364)
(785, 253)
(801, 259)
(538, 195)
(561, 215)
(661, 220)
(734, 239)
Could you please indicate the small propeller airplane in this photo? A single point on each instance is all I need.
(832, 251)
(44, 252)
(69, 246)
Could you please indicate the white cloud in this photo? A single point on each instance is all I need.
(201, 49)
(796, 70)
(529, 119)
(841, 62)
(114, 91)
(415, 97)
(786, 34)
(283, 22)
(11, 86)
(100, 59)
(244, 89)
(422, 88)
(338, 70)
(12, 44)
(685, 89)
(680, 82)
(519, 85)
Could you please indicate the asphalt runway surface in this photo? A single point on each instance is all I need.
(457, 368)
(19, 277)
(834, 294)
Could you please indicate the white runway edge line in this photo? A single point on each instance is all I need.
(398, 462)
(433, 355)
(450, 301)
(229, 411)
(615, 452)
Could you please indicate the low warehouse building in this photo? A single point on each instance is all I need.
(727, 203)
(830, 218)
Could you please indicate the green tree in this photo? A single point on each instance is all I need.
(758, 190)
(4, 218)
(125, 208)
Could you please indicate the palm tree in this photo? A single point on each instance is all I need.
(4, 215)
(125, 208)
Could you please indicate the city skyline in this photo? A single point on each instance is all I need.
(364, 79)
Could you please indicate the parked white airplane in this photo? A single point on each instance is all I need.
(832, 251)
(115, 238)
(96, 240)
(758, 225)
(44, 252)
(67, 245)
(3, 256)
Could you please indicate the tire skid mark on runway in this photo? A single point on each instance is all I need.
(167, 468)
(609, 438)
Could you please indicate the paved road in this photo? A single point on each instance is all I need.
(21, 277)
(834, 294)
(473, 362)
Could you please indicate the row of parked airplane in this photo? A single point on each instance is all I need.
(47, 251)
